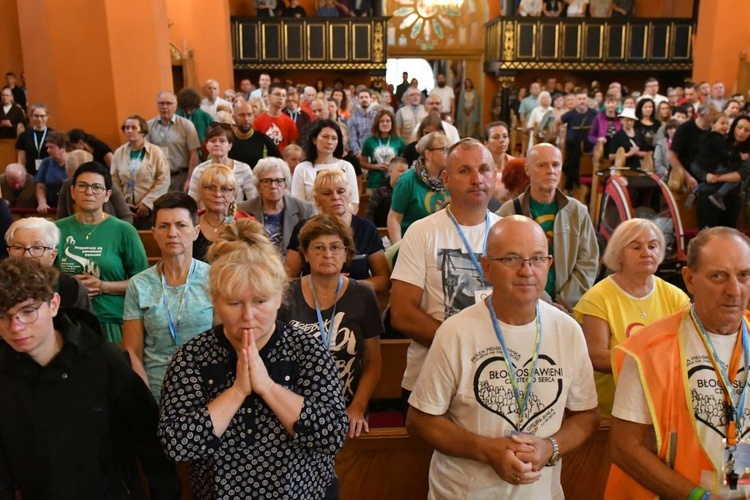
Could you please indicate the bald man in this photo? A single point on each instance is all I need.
(212, 100)
(249, 145)
(18, 190)
(505, 432)
(565, 220)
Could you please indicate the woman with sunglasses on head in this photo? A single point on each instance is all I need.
(273, 207)
(218, 188)
(140, 171)
(103, 252)
(368, 265)
(219, 139)
(340, 312)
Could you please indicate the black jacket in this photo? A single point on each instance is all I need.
(73, 429)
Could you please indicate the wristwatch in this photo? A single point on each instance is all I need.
(555, 453)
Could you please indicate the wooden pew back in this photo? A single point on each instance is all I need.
(149, 243)
(393, 354)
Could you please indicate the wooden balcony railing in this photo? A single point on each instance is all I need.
(521, 43)
(311, 43)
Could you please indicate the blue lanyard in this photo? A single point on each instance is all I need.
(734, 412)
(474, 261)
(326, 335)
(37, 143)
(175, 327)
(522, 397)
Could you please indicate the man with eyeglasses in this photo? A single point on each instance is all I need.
(275, 124)
(177, 138)
(566, 222)
(507, 387)
(76, 420)
(30, 144)
(17, 187)
(437, 272)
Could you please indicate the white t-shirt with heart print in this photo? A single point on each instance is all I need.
(465, 378)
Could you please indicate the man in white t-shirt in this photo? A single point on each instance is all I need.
(446, 94)
(497, 435)
(668, 387)
(436, 275)
(432, 105)
(212, 100)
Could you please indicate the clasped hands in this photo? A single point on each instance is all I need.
(252, 375)
(519, 459)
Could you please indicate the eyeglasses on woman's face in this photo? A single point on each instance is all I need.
(34, 251)
(218, 189)
(83, 187)
(268, 181)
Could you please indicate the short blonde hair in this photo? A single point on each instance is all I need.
(332, 176)
(75, 159)
(624, 235)
(242, 257)
(221, 174)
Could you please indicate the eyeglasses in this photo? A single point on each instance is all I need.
(268, 181)
(26, 315)
(444, 149)
(39, 116)
(320, 249)
(215, 189)
(513, 262)
(34, 251)
(82, 187)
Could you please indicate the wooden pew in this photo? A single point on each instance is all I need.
(152, 249)
(585, 471)
(387, 463)
(393, 355)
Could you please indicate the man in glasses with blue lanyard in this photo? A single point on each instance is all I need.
(75, 417)
(507, 387)
(681, 422)
(438, 272)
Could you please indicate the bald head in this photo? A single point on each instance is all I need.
(319, 109)
(15, 175)
(433, 104)
(212, 89)
(514, 227)
(243, 116)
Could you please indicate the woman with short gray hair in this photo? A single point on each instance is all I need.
(274, 207)
(37, 238)
(627, 300)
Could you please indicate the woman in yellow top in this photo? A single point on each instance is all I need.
(627, 300)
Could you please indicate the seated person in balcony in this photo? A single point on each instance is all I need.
(294, 10)
(17, 187)
(552, 8)
(530, 8)
(576, 8)
(265, 8)
(622, 8)
(328, 9)
(359, 8)
(628, 138)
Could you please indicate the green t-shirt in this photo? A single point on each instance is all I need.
(414, 200)
(112, 252)
(379, 150)
(544, 215)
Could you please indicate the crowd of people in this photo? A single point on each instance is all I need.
(251, 349)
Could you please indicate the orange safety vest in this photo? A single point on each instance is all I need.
(659, 352)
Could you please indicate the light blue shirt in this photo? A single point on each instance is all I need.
(144, 301)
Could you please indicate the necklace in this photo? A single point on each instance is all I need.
(90, 232)
(216, 228)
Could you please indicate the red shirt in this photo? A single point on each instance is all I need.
(281, 129)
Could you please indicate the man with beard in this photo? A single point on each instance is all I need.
(249, 146)
(447, 96)
(361, 122)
